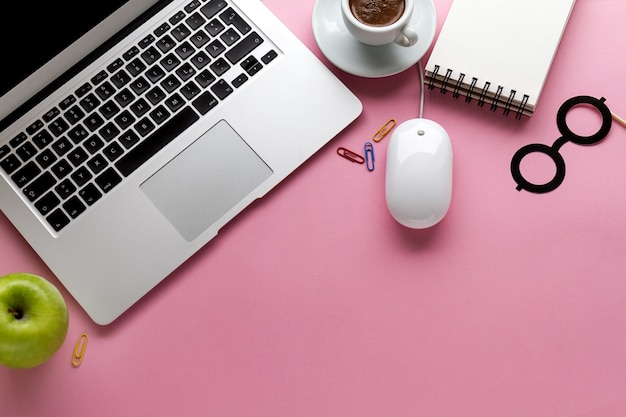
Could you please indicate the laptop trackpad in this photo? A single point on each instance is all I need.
(206, 180)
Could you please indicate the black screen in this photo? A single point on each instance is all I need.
(32, 33)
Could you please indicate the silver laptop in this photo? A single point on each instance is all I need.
(132, 131)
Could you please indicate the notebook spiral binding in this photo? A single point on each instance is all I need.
(473, 91)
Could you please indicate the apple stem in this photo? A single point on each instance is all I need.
(16, 313)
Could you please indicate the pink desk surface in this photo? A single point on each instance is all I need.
(316, 303)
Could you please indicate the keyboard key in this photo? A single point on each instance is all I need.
(74, 207)
(240, 80)
(215, 48)
(124, 119)
(136, 67)
(145, 42)
(233, 18)
(219, 67)
(39, 186)
(128, 139)
(78, 134)
(230, 37)
(113, 151)
(269, 57)
(184, 50)
(144, 126)
(99, 77)
(174, 102)
(222, 89)
(205, 102)
(190, 90)
(180, 32)
(58, 127)
(195, 21)
(65, 189)
(67, 102)
(10, 164)
(58, 220)
(105, 90)
(140, 86)
(193, 5)
(89, 103)
(81, 176)
(115, 65)
(166, 43)
(200, 38)
(171, 83)
(151, 55)
(93, 144)
(42, 139)
(243, 48)
(159, 114)
(213, 7)
(109, 109)
(77, 156)
(158, 32)
(47, 203)
(18, 140)
(26, 151)
(214, 27)
(90, 194)
(120, 78)
(108, 180)
(131, 53)
(97, 164)
(170, 62)
(156, 141)
(140, 107)
(124, 97)
(156, 95)
(205, 78)
(109, 131)
(4, 151)
(46, 158)
(26, 174)
(62, 146)
(185, 72)
(61, 168)
(200, 60)
(93, 121)
(52, 113)
(34, 127)
(155, 73)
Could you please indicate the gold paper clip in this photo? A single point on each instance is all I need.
(369, 155)
(384, 130)
(79, 350)
(351, 156)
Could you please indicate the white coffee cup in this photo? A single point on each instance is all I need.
(398, 31)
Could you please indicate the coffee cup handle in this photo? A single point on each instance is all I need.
(408, 37)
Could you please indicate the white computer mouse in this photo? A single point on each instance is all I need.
(418, 182)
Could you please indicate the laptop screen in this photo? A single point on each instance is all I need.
(48, 29)
(56, 24)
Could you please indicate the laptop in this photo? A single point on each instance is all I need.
(133, 130)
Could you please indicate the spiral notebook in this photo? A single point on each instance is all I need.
(498, 52)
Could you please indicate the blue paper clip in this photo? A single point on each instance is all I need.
(369, 156)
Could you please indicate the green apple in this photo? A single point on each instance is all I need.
(33, 320)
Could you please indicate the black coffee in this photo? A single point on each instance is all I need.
(377, 12)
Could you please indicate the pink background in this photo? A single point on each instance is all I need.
(513, 306)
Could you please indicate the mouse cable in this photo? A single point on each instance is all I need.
(421, 72)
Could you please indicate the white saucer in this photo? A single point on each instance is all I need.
(356, 58)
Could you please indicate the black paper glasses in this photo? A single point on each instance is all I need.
(567, 136)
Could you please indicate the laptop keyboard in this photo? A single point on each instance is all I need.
(82, 148)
